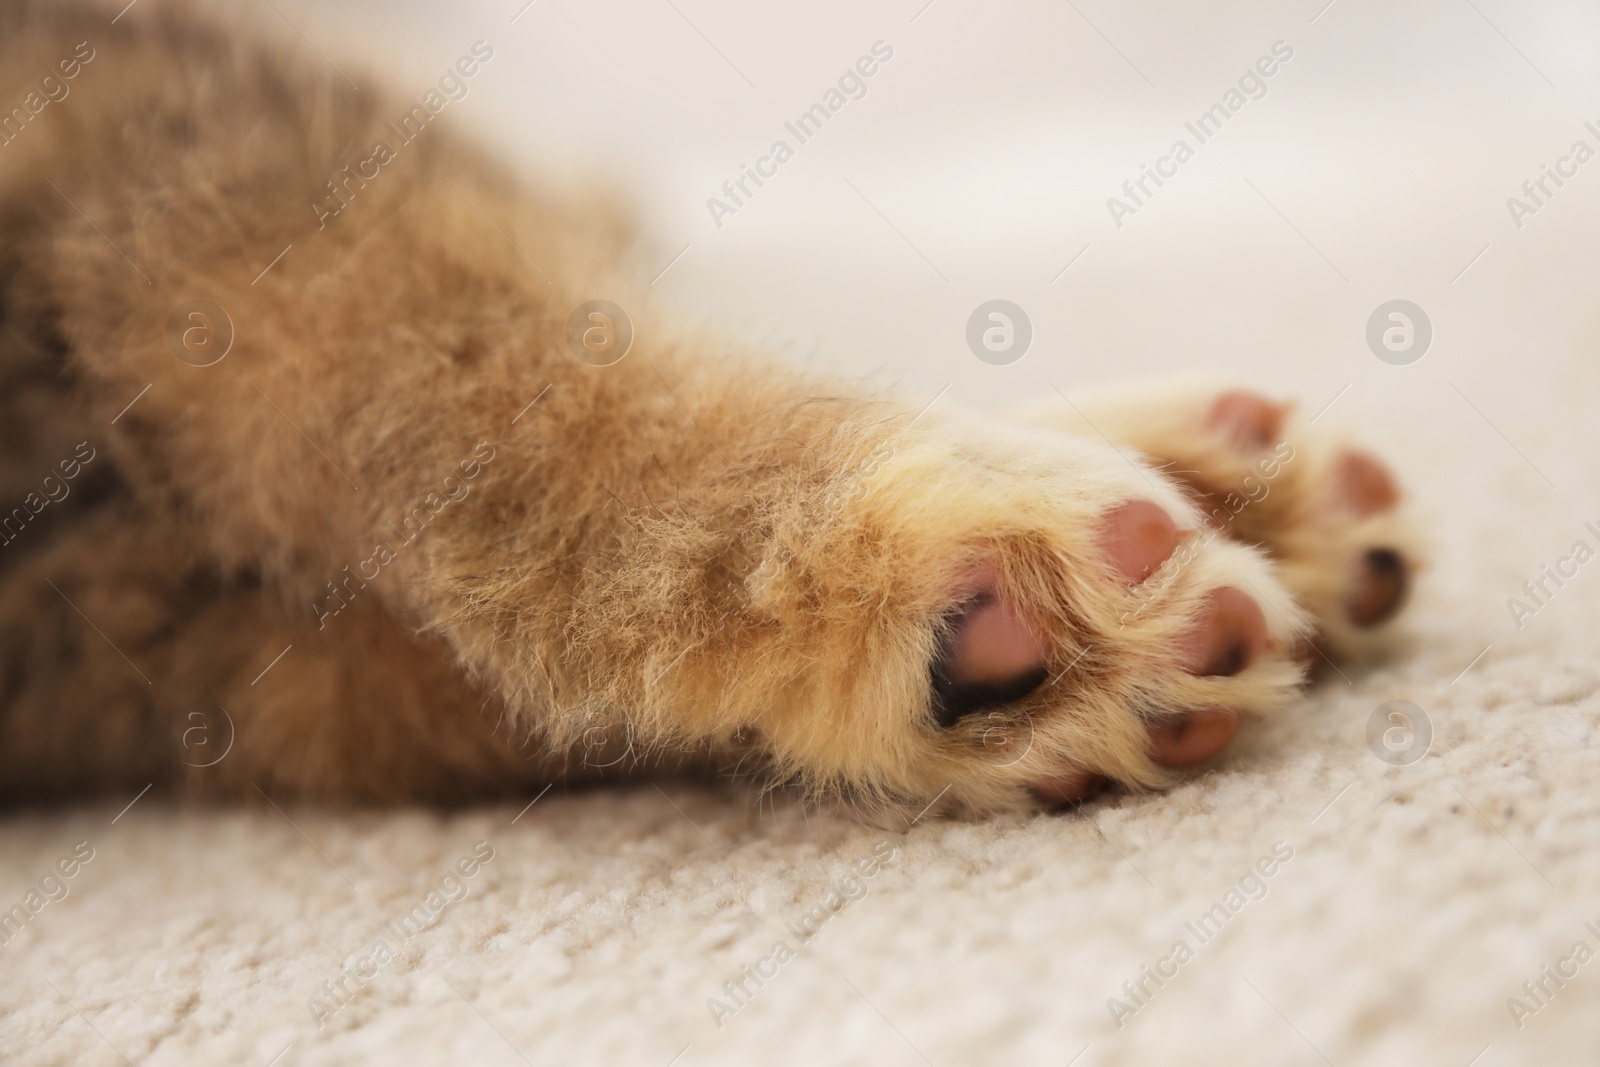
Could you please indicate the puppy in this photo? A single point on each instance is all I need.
(331, 447)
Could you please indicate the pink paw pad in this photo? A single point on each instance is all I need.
(1138, 537)
(1192, 738)
(1380, 587)
(1228, 635)
(994, 653)
(1230, 631)
(1250, 421)
(1363, 486)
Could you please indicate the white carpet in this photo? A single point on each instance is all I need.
(1418, 900)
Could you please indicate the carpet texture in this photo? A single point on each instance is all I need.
(1331, 906)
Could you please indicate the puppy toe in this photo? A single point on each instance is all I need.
(1228, 635)
(1137, 537)
(1192, 737)
(1363, 485)
(1248, 420)
(1379, 587)
(1071, 788)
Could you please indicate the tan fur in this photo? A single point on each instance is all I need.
(694, 557)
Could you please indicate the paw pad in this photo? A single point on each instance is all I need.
(1227, 636)
(1249, 420)
(1138, 537)
(1192, 738)
(1364, 486)
(1381, 583)
(992, 656)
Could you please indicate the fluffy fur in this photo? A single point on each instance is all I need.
(412, 548)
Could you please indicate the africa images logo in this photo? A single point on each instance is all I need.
(1252, 85)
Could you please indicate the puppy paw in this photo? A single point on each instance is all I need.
(1023, 617)
(1328, 512)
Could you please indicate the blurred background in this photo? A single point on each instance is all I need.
(978, 165)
